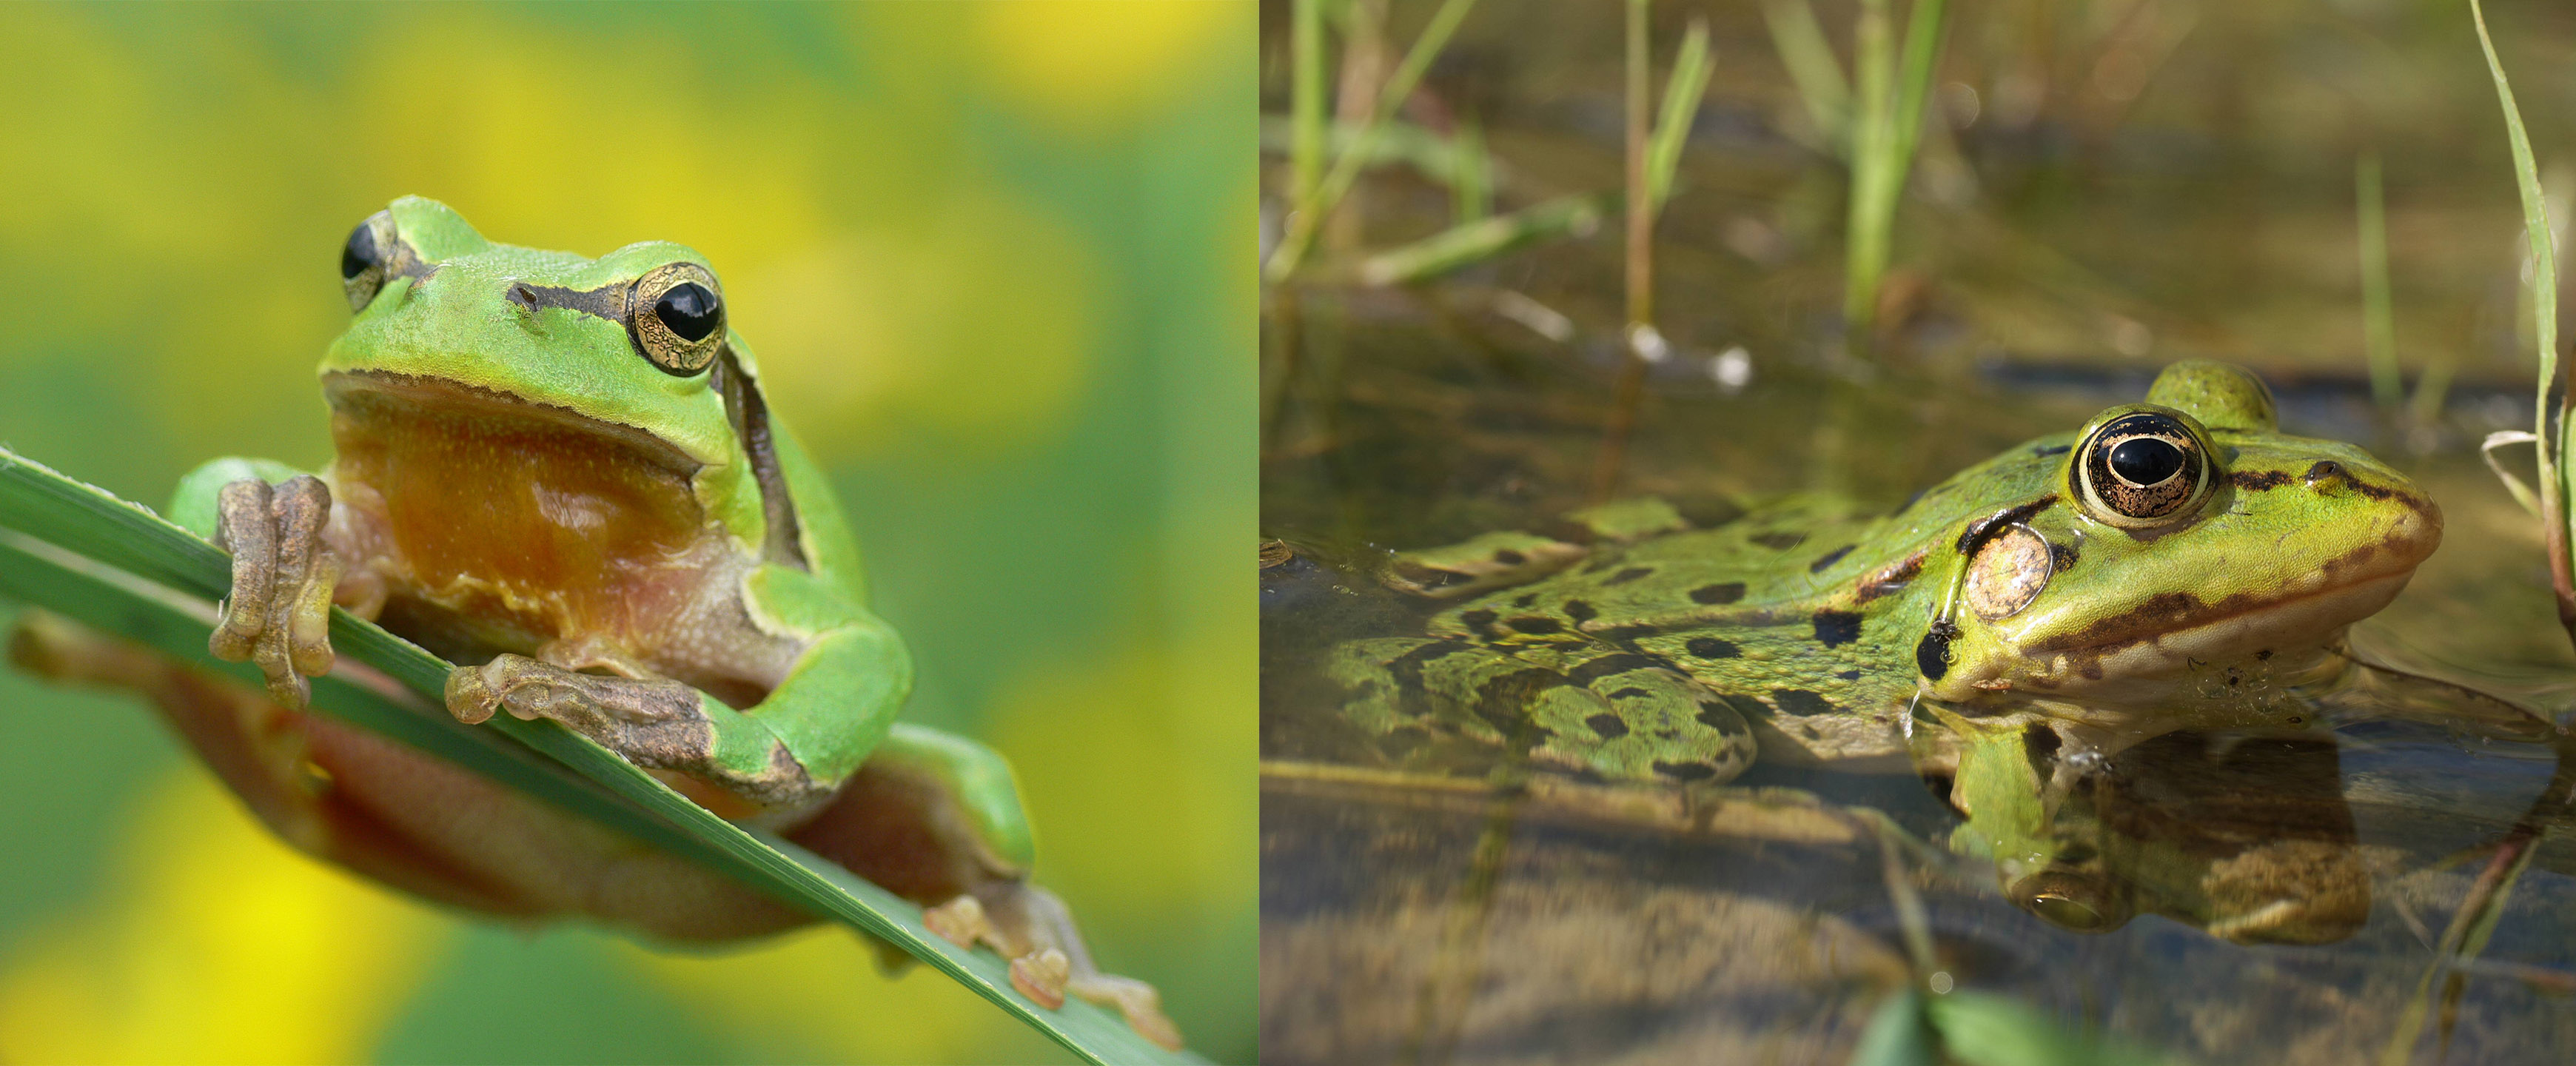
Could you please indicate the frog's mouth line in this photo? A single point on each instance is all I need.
(350, 392)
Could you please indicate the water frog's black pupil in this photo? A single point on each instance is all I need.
(2145, 460)
(689, 309)
(358, 254)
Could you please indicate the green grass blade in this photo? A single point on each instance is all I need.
(2554, 460)
(1475, 242)
(1691, 70)
(1822, 89)
(1471, 185)
(78, 551)
(1309, 218)
(1306, 99)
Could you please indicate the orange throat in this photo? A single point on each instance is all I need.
(515, 525)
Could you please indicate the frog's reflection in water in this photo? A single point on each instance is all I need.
(2244, 835)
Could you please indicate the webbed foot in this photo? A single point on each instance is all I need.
(279, 613)
(1048, 958)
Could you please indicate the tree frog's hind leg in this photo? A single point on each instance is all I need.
(267, 755)
(936, 819)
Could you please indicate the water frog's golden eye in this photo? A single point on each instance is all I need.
(2147, 467)
(364, 261)
(675, 314)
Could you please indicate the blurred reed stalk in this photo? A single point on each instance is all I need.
(1306, 175)
(1883, 137)
(2378, 322)
(1654, 153)
(1318, 203)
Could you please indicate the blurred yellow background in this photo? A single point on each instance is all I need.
(996, 260)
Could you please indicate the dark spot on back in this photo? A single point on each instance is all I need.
(1685, 771)
(1727, 592)
(2040, 743)
(2046, 450)
(1630, 693)
(1800, 702)
(1712, 648)
(1848, 675)
(1535, 625)
(2252, 481)
(1608, 726)
(1780, 541)
(1580, 611)
(1609, 665)
(1909, 503)
(1478, 619)
(1525, 599)
(1504, 701)
(1836, 628)
(2264, 655)
(1830, 558)
(1932, 656)
(1508, 557)
(1630, 574)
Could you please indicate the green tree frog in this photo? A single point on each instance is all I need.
(561, 472)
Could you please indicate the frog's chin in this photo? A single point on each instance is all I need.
(365, 398)
(2271, 647)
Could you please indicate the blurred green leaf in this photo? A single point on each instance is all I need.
(1898, 1035)
(76, 550)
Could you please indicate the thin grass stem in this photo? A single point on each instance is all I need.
(1310, 212)
(2551, 404)
(1822, 89)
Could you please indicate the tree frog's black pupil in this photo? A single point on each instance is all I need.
(2145, 460)
(689, 309)
(358, 254)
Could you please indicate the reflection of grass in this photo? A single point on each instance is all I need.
(140, 577)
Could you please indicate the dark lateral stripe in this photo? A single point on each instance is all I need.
(1979, 530)
(1608, 665)
(607, 301)
(749, 413)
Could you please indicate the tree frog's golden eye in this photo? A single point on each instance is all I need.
(675, 314)
(2144, 468)
(365, 259)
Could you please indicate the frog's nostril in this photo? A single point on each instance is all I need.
(2325, 470)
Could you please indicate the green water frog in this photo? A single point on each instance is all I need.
(2173, 563)
(561, 472)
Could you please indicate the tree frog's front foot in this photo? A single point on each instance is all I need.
(279, 613)
(659, 725)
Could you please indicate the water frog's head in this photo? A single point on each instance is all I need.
(2187, 537)
(628, 352)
